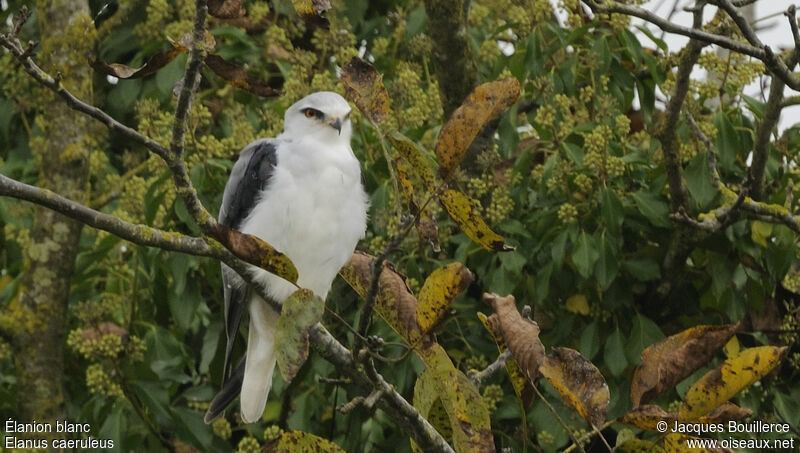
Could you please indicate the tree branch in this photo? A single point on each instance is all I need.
(764, 53)
(398, 409)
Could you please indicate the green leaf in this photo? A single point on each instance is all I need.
(607, 266)
(726, 142)
(590, 340)
(614, 353)
(698, 181)
(585, 254)
(642, 268)
(611, 210)
(653, 207)
(191, 428)
(644, 333)
(300, 312)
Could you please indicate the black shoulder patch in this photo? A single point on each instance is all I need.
(250, 175)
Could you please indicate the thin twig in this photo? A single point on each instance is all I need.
(558, 418)
(478, 377)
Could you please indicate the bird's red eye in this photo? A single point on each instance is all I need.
(311, 113)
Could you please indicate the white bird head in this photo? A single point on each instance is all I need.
(323, 115)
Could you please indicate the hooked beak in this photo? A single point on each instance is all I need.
(336, 124)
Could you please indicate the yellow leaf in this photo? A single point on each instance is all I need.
(579, 383)
(302, 442)
(311, 7)
(428, 402)
(760, 232)
(732, 347)
(466, 410)
(724, 382)
(578, 303)
(256, 251)
(481, 106)
(363, 84)
(411, 153)
(438, 292)
(466, 214)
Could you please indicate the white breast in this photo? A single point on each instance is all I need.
(314, 210)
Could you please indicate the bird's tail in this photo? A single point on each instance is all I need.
(261, 360)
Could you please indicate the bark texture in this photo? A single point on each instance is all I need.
(61, 144)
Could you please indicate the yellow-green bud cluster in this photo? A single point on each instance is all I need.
(545, 438)
(546, 115)
(476, 362)
(584, 183)
(501, 206)
(248, 444)
(492, 396)
(5, 350)
(272, 432)
(567, 213)
(221, 428)
(158, 12)
(99, 382)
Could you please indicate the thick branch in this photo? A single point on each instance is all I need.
(191, 79)
(452, 58)
(772, 113)
(667, 133)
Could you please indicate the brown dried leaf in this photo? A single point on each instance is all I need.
(521, 335)
(395, 302)
(226, 9)
(153, 64)
(481, 106)
(579, 383)
(363, 85)
(672, 359)
(441, 287)
(523, 387)
(255, 251)
(238, 77)
(647, 417)
(725, 413)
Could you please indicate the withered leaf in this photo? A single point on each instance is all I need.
(301, 442)
(363, 85)
(256, 252)
(226, 9)
(153, 64)
(441, 287)
(724, 382)
(300, 311)
(481, 106)
(463, 210)
(672, 359)
(647, 417)
(523, 387)
(239, 77)
(415, 158)
(726, 412)
(579, 383)
(395, 302)
(521, 335)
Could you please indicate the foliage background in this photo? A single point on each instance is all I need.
(574, 178)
